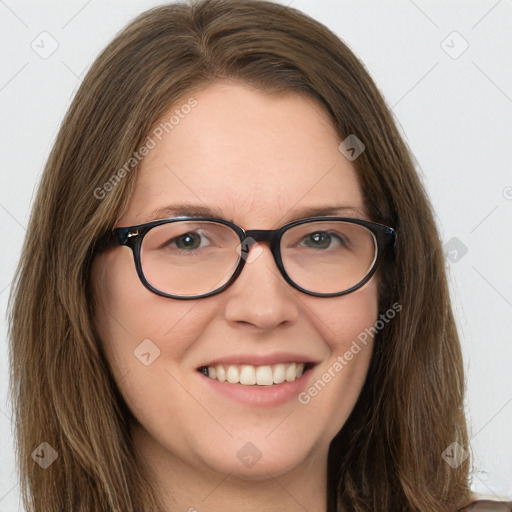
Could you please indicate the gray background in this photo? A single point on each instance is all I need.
(453, 106)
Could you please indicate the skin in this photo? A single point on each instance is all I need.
(260, 159)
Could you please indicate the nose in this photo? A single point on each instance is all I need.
(260, 297)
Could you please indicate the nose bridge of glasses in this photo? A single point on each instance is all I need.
(254, 236)
(260, 235)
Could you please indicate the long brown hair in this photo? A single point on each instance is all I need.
(388, 455)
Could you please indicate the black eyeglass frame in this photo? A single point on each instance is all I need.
(132, 237)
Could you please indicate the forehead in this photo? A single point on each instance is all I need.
(252, 156)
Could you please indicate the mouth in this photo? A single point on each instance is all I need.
(250, 375)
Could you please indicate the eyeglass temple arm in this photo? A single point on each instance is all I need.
(390, 237)
(118, 236)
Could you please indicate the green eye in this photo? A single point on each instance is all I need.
(319, 240)
(188, 241)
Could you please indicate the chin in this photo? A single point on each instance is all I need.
(258, 458)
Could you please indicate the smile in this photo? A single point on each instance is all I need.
(249, 375)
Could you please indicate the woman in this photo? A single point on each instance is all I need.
(232, 292)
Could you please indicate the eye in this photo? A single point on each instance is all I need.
(189, 241)
(321, 240)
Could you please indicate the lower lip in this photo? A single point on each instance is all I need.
(260, 396)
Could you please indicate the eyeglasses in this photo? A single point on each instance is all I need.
(194, 257)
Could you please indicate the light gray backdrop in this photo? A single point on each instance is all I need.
(445, 69)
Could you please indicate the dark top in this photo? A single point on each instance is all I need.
(490, 506)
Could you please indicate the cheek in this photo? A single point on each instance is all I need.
(136, 326)
(146, 338)
(345, 324)
(342, 320)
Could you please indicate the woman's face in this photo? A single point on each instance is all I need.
(261, 161)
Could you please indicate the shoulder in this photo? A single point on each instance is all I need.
(488, 505)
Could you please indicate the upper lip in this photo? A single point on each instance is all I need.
(260, 359)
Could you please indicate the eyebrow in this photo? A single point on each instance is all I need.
(196, 210)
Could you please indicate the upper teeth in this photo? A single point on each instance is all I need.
(249, 375)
